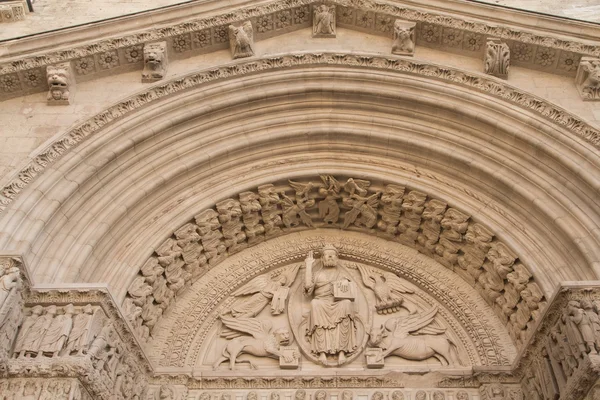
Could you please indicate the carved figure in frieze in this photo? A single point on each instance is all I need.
(31, 391)
(165, 392)
(10, 282)
(86, 326)
(29, 322)
(544, 381)
(533, 298)
(462, 396)
(397, 395)
(169, 257)
(271, 212)
(414, 337)
(454, 225)
(347, 395)
(272, 288)
(560, 352)
(388, 289)
(584, 325)
(254, 396)
(391, 202)
(251, 217)
(300, 394)
(241, 40)
(431, 225)
(151, 312)
(33, 338)
(324, 21)
(139, 290)
(363, 210)
(404, 38)
(188, 241)
(517, 282)
(497, 58)
(410, 221)
(230, 217)
(57, 333)
(262, 342)
(102, 347)
(11, 301)
(150, 271)
(588, 309)
(377, 396)
(60, 84)
(437, 395)
(499, 264)
(329, 209)
(331, 326)
(274, 396)
(477, 244)
(294, 209)
(588, 78)
(421, 395)
(155, 62)
(321, 395)
(162, 293)
(211, 236)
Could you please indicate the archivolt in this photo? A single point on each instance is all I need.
(510, 160)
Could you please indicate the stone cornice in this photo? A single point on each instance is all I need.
(411, 67)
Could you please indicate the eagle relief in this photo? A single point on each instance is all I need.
(329, 312)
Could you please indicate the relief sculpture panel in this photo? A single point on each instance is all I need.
(329, 311)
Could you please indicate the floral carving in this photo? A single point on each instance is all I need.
(10, 83)
(452, 37)
(345, 15)
(473, 41)
(202, 38)
(364, 19)
(220, 34)
(108, 60)
(283, 19)
(431, 33)
(85, 65)
(568, 61)
(522, 52)
(301, 15)
(32, 77)
(545, 56)
(383, 23)
(264, 24)
(134, 54)
(182, 43)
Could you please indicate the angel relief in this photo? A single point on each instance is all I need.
(330, 312)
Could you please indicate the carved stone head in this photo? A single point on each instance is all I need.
(377, 396)
(300, 394)
(58, 82)
(329, 256)
(282, 335)
(397, 395)
(462, 396)
(347, 395)
(155, 61)
(37, 310)
(321, 395)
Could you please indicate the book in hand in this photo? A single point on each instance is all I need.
(344, 290)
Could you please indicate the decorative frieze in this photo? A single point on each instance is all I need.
(502, 91)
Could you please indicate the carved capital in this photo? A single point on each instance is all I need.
(497, 58)
(588, 78)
